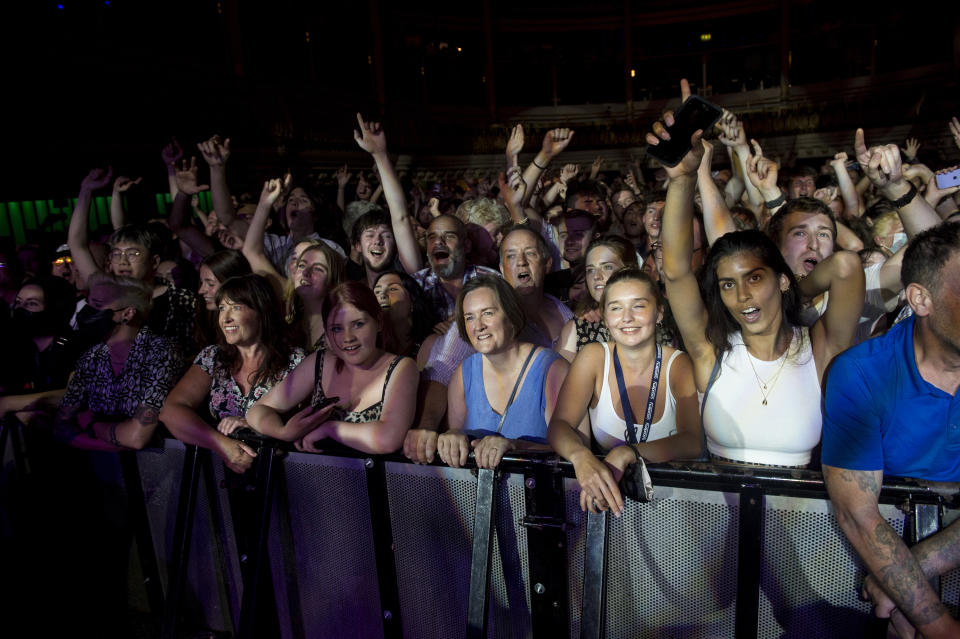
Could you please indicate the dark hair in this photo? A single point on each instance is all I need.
(135, 234)
(636, 274)
(579, 189)
(59, 299)
(359, 295)
(720, 323)
(423, 314)
(255, 291)
(799, 205)
(580, 214)
(506, 297)
(826, 180)
(224, 265)
(370, 219)
(928, 253)
(618, 244)
(801, 171)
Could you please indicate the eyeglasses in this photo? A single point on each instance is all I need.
(131, 254)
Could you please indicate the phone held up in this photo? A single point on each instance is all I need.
(948, 178)
(695, 113)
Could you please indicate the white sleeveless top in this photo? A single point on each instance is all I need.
(609, 428)
(782, 432)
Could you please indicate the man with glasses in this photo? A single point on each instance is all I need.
(132, 253)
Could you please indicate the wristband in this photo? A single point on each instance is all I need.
(774, 203)
(906, 198)
(542, 168)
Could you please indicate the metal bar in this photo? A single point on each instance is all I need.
(480, 559)
(288, 556)
(749, 558)
(261, 525)
(182, 533)
(223, 527)
(137, 507)
(383, 547)
(594, 576)
(927, 522)
(546, 552)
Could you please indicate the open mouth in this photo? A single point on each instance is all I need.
(351, 349)
(377, 252)
(523, 277)
(750, 314)
(809, 264)
(440, 255)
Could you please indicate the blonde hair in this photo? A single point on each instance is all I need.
(482, 211)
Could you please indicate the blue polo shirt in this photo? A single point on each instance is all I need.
(880, 414)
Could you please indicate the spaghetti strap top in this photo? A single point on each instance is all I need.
(371, 413)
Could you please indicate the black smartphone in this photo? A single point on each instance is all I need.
(326, 401)
(948, 178)
(695, 113)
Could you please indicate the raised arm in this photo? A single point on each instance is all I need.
(371, 139)
(216, 152)
(852, 202)
(253, 241)
(554, 142)
(855, 497)
(717, 220)
(180, 213)
(762, 173)
(734, 137)
(77, 235)
(343, 178)
(842, 275)
(120, 186)
(171, 154)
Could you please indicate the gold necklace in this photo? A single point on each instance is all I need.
(767, 387)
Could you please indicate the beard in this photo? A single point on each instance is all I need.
(454, 265)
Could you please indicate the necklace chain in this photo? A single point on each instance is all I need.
(766, 387)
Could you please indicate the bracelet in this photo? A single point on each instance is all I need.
(906, 198)
(774, 203)
(542, 168)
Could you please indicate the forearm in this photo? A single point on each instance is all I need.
(267, 421)
(741, 153)
(852, 203)
(917, 215)
(179, 222)
(551, 195)
(185, 424)
(566, 441)
(717, 220)
(532, 173)
(847, 239)
(376, 438)
(431, 405)
(220, 193)
(407, 247)
(678, 446)
(117, 215)
(172, 180)
(939, 553)
(341, 198)
(77, 238)
(831, 274)
(678, 227)
(31, 401)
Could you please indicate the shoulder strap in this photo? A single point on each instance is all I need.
(386, 380)
(704, 455)
(516, 385)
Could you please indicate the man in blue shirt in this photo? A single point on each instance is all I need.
(891, 407)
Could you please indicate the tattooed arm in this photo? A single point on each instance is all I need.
(134, 433)
(901, 577)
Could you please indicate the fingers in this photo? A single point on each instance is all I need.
(860, 146)
(757, 150)
(684, 89)
(429, 448)
(247, 450)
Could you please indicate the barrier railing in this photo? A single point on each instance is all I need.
(345, 544)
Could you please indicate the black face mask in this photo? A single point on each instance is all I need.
(32, 323)
(95, 325)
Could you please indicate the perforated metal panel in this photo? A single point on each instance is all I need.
(950, 582)
(810, 575)
(211, 597)
(332, 553)
(432, 512)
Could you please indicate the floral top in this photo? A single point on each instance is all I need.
(590, 332)
(226, 398)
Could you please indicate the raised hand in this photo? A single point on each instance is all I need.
(881, 164)
(370, 137)
(515, 145)
(512, 186)
(731, 130)
(706, 162)
(343, 176)
(172, 153)
(215, 151)
(273, 188)
(839, 161)
(691, 161)
(631, 182)
(186, 177)
(555, 141)
(913, 145)
(97, 179)
(595, 167)
(568, 172)
(934, 193)
(762, 171)
(122, 184)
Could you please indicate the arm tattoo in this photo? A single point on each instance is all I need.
(902, 577)
(147, 415)
(864, 479)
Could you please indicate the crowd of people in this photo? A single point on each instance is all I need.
(746, 313)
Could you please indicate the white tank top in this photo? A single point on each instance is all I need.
(784, 431)
(609, 428)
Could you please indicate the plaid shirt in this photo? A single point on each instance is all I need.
(438, 296)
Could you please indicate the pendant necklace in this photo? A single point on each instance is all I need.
(766, 387)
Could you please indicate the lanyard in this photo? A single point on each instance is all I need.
(630, 434)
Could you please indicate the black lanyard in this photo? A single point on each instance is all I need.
(630, 434)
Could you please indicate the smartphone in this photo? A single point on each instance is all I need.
(326, 401)
(948, 179)
(695, 113)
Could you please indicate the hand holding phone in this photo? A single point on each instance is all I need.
(326, 401)
(948, 179)
(694, 114)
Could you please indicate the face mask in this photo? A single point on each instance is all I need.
(32, 323)
(899, 241)
(95, 325)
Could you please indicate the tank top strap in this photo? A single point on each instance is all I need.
(386, 380)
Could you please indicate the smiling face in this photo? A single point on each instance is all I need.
(312, 274)
(377, 248)
(602, 262)
(352, 334)
(239, 323)
(209, 285)
(522, 264)
(393, 297)
(575, 235)
(631, 313)
(445, 248)
(486, 323)
(299, 212)
(806, 240)
(752, 292)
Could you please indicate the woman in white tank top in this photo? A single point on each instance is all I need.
(764, 407)
(631, 306)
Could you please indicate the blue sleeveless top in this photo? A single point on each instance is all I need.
(524, 417)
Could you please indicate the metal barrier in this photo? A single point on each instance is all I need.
(365, 546)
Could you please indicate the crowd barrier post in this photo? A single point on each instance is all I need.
(10, 433)
(383, 547)
(546, 526)
(926, 522)
(594, 575)
(137, 508)
(749, 561)
(480, 558)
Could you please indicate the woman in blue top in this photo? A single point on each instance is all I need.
(502, 396)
